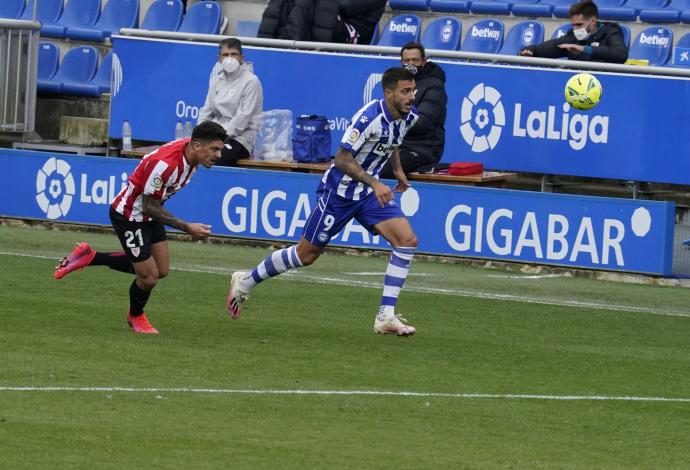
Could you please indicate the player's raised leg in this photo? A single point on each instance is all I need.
(83, 255)
(400, 235)
(278, 262)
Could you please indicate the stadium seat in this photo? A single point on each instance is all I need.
(116, 14)
(522, 35)
(626, 34)
(77, 14)
(670, 14)
(375, 35)
(443, 33)
(47, 11)
(400, 30)
(681, 53)
(561, 7)
(450, 6)
(48, 60)
(78, 66)
(484, 36)
(561, 31)
(490, 7)
(202, 18)
(163, 15)
(11, 9)
(653, 44)
(247, 29)
(100, 83)
(532, 8)
(629, 10)
(421, 5)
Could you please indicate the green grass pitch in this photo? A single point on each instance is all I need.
(506, 370)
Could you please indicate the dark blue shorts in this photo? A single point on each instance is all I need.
(332, 212)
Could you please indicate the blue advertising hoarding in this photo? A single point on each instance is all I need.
(577, 231)
(508, 117)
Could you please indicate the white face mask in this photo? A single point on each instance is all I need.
(580, 34)
(230, 65)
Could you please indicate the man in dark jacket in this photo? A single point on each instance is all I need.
(424, 142)
(588, 40)
(344, 21)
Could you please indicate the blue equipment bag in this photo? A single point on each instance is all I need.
(312, 142)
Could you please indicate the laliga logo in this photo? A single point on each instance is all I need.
(116, 76)
(54, 188)
(475, 131)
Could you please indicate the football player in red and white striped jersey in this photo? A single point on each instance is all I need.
(139, 219)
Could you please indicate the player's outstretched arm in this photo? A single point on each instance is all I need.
(345, 162)
(154, 209)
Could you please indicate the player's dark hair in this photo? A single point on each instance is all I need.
(209, 131)
(393, 75)
(586, 8)
(231, 43)
(413, 45)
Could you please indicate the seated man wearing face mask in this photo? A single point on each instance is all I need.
(235, 101)
(423, 144)
(588, 40)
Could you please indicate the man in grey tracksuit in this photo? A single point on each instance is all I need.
(235, 101)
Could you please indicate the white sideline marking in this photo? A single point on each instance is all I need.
(410, 287)
(531, 276)
(505, 396)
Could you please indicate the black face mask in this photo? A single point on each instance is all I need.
(412, 68)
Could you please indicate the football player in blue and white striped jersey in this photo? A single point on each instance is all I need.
(350, 188)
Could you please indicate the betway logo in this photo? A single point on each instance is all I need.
(653, 40)
(403, 28)
(484, 33)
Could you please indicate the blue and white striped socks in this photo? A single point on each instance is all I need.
(396, 273)
(276, 263)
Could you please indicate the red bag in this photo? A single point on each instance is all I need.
(465, 168)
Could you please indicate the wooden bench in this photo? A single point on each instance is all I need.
(488, 178)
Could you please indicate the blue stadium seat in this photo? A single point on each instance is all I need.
(522, 35)
(202, 18)
(100, 83)
(561, 30)
(163, 15)
(685, 16)
(681, 53)
(484, 36)
(11, 9)
(421, 5)
(670, 14)
(77, 14)
(490, 7)
(561, 7)
(116, 14)
(653, 44)
(450, 6)
(247, 28)
(443, 33)
(47, 11)
(374, 36)
(400, 30)
(629, 10)
(48, 61)
(532, 8)
(78, 66)
(626, 34)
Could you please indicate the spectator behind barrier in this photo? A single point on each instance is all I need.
(344, 21)
(235, 101)
(424, 142)
(588, 39)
